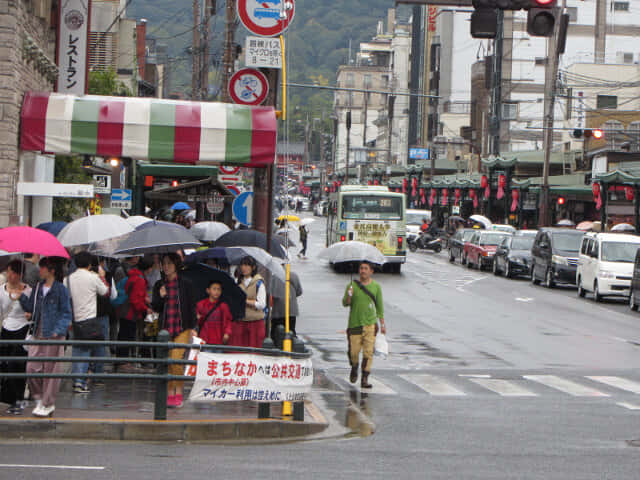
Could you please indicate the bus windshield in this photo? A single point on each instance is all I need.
(377, 207)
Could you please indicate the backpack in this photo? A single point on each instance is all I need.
(123, 296)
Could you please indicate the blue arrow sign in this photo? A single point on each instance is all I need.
(419, 153)
(121, 194)
(243, 208)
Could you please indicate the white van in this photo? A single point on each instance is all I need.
(414, 220)
(605, 265)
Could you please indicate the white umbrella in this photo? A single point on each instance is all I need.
(623, 227)
(307, 221)
(138, 220)
(481, 219)
(209, 231)
(565, 222)
(352, 251)
(93, 228)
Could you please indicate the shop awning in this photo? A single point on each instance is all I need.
(149, 129)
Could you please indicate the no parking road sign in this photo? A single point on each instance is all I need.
(267, 18)
(248, 87)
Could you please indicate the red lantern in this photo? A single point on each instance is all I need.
(502, 183)
(445, 197)
(515, 195)
(414, 185)
(423, 200)
(369, 182)
(376, 182)
(484, 183)
(473, 195)
(595, 188)
(339, 183)
(404, 185)
(629, 193)
(457, 194)
(432, 198)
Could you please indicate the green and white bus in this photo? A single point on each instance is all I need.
(370, 214)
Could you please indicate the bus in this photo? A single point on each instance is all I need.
(370, 214)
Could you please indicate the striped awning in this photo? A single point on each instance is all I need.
(149, 129)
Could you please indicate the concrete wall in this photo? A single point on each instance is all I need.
(18, 74)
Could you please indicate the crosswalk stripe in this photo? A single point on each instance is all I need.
(377, 387)
(617, 382)
(629, 406)
(566, 386)
(433, 385)
(504, 388)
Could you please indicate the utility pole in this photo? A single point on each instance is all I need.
(550, 83)
(346, 168)
(496, 102)
(429, 28)
(195, 52)
(204, 50)
(227, 59)
(414, 83)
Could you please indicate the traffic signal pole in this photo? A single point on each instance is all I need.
(551, 79)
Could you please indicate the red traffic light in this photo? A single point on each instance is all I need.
(174, 183)
(561, 200)
(544, 3)
(597, 133)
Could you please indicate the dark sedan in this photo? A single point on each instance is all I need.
(513, 256)
(456, 243)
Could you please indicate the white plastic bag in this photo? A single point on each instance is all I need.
(381, 346)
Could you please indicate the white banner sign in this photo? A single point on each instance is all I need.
(232, 377)
(45, 189)
(72, 46)
(262, 52)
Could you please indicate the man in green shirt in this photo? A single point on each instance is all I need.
(364, 297)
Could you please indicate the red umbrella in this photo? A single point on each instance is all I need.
(31, 240)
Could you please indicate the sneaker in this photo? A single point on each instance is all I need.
(80, 388)
(179, 401)
(14, 410)
(37, 412)
(45, 411)
(171, 401)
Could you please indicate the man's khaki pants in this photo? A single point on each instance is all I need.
(361, 339)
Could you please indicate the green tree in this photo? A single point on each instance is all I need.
(69, 170)
(105, 82)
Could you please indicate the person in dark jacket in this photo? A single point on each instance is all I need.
(50, 309)
(173, 300)
(278, 312)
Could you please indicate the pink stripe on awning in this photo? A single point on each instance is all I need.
(110, 128)
(187, 136)
(263, 136)
(34, 121)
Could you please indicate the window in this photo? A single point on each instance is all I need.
(541, 61)
(372, 207)
(350, 81)
(367, 81)
(509, 111)
(620, 6)
(573, 14)
(634, 131)
(624, 57)
(607, 101)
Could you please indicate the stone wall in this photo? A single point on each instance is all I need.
(18, 74)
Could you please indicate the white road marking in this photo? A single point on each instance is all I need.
(378, 387)
(57, 467)
(565, 386)
(617, 382)
(504, 388)
(629, 406)
(433, 385)
(524, 299)
(474, 375)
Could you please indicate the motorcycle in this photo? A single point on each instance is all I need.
(424, 241)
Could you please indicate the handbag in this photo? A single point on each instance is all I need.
(89, 329)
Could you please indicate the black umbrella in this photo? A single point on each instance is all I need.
(201, 275)
(156, 238)
(252, 238)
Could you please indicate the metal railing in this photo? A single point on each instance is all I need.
(161, 376)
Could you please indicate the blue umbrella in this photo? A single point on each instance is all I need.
(180, 206)
(54, 228)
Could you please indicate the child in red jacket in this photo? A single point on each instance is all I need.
(214, 316)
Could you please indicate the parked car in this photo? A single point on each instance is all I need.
(481, 248)
(320, 210)
(605, 265)
(555, 256)
(634, 290)
(513, 256)
(457, 241)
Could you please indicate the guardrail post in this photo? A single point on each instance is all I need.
(162, 354)
(298, 407)
(264, 409)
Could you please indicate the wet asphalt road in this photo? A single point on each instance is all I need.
(488, 378)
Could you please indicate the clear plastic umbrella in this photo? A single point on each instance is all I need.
(623, 227)
(94, 228)
(209, 231)
(352, 251)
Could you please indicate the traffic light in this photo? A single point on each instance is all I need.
(484, 22)
(587, 133)
(540, 18)
(561, 201)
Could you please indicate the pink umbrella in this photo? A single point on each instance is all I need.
(31, 240)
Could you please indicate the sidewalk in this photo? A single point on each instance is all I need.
(123, 410)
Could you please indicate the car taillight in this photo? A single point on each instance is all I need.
(485, 254)
(342, 238)
(399, 243)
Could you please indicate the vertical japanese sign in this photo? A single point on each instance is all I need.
(433, 14)
(73, 46)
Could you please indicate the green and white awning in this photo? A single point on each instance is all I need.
(149, 129)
